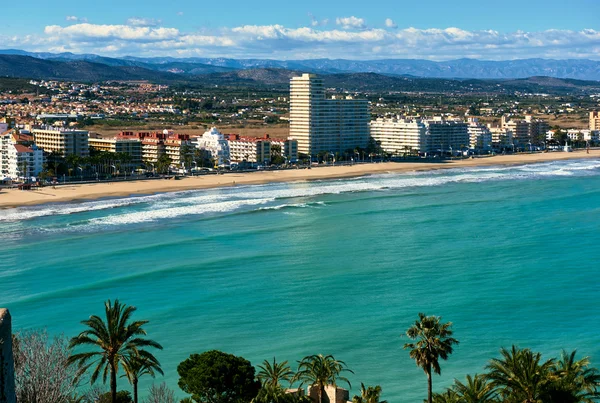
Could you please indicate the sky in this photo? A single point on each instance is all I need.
(309, 29)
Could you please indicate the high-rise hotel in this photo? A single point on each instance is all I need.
(321, 124)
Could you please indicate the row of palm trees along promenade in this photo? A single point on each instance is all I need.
(114, 346)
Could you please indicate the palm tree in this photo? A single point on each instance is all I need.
(136, 366)
(434, 341)
(117, 340)
(574, 380)
(275, 373)
(449, 396)
(372, 394)
(476, 390)
(520, 375)
(321, 370)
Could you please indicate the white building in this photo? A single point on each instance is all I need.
(19, 159)
(24, 162)
(249, 149)
(321, 124)
(399, 136)
(480, 135)
(216, 144)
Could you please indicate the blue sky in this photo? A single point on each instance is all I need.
(434, 29)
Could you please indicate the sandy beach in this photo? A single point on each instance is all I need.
(14, 198)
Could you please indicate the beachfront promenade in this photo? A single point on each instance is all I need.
(72, 192)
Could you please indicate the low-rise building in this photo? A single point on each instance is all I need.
(249, 149)
(287, 147)
(129, 146)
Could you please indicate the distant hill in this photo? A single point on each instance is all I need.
(580, 69)
(77, 70)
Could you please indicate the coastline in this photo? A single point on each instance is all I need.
(10, 198)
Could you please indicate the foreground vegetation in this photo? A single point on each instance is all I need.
(55, 371)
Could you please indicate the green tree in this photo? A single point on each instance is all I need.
(163, 163)
(574, 380)
(449, 396)
(371, 394)
(273, 374)
(136, 366)
(520, 375)
(217, 377)
(115, 341)
(320, 371)
(476, 390)
(433, 341)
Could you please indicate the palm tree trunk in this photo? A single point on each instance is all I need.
(429, 386)
(113, 382)
(135, 391)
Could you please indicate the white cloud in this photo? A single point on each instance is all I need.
(278, 41)
(390, 23)
(73, 18)
(351, 22)
(143, 22)
(180, 13)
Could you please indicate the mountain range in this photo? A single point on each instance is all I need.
(580, 69)
(235, 73)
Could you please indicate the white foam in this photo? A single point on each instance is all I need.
(172, 205)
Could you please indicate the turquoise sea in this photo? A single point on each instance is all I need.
(342, 267)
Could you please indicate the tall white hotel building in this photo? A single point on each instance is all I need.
(321, 124)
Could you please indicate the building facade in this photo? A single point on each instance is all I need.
(594, 120)
(321, 124)
(446, 135)
(215, 144)
(62, 141)
(399, 136)
(288, 147)
(249, 149)
(129, 146)
(20, 158)
(480, 136)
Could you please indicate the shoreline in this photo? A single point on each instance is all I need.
(11, 198)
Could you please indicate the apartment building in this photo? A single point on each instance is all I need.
(321, 124)
(63, 141)
(176, 147)
(399, 136)
(525, 131)
(215, 144)
(501, 137)
(249, 149)
(446, 135)
(19, 157)
(480, 136)
(24, 162)
(288, 147)
(594, 120)
(129, 146)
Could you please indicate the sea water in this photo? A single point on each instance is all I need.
(510, 255)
